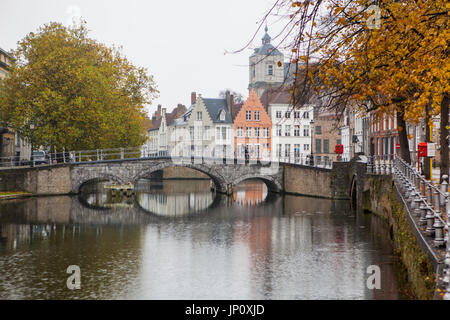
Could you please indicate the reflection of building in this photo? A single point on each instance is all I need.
(14, 234)
(250, 193)
(177, 198)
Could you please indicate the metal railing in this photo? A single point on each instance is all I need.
(141, 153)
(74, 157)
(430, 203)
(383, 164)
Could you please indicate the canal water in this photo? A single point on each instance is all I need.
(178, 240)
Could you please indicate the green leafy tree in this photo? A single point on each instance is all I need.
(79, 93)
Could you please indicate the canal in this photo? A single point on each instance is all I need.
(178, 240)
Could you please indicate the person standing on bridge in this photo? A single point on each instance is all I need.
(246, 154)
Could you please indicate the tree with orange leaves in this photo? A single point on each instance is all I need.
(390, 56)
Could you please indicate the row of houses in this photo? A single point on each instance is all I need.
(266, 126)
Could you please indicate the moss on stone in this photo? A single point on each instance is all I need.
(420, 272)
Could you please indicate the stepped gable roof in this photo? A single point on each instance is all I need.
(236, 108)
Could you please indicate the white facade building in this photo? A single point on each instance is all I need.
(291, 132)
(206, 129)
(157, 138)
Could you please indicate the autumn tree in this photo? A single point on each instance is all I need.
(79, 93)
(385, 56)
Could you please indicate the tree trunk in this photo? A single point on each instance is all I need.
(403, 138)
(444, 136)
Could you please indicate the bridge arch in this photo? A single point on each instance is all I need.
(218, 180)
(101, 177)
(271, 183)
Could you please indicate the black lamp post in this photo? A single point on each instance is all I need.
(32, 136)
(311, 159)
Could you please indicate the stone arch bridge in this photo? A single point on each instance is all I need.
(335, 183)
(225, 175)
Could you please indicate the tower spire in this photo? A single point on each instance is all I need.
(266, 39)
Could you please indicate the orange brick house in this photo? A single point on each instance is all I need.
(253, 130)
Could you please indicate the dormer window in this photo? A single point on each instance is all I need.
(270, 70)
(222, 116)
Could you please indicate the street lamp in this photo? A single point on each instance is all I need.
(311, 159)
(32, 134)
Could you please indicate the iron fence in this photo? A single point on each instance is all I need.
(430, 203)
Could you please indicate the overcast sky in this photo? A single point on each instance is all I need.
(182, 43)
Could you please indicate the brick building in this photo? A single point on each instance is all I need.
(253, 130)
(383, 134)
(326, 134)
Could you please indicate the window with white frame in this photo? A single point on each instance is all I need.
(199, 116)
(287, 130)
(199, 133)
(297, 150)
(224, 133)
(287, 115)
(266, 132)
(278, 150)
(257, 132)
(270, 70)
(306, 115)
(257, 151)
(306, 147)
(248, 132)
(279, 130)
(240, 132)
(297, 130)
(306, 131)
(256, 115)
(278, 115)
(222, 115)
(207, 135)
(287, 150)
(248, 115)
(296, 114)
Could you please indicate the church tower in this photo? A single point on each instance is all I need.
(265, 71)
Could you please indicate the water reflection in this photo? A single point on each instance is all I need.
(174, 198)
(250, 193)
(281, 248)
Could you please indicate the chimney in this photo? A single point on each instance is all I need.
(193, 97)
(158, 113)
(229, 98)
